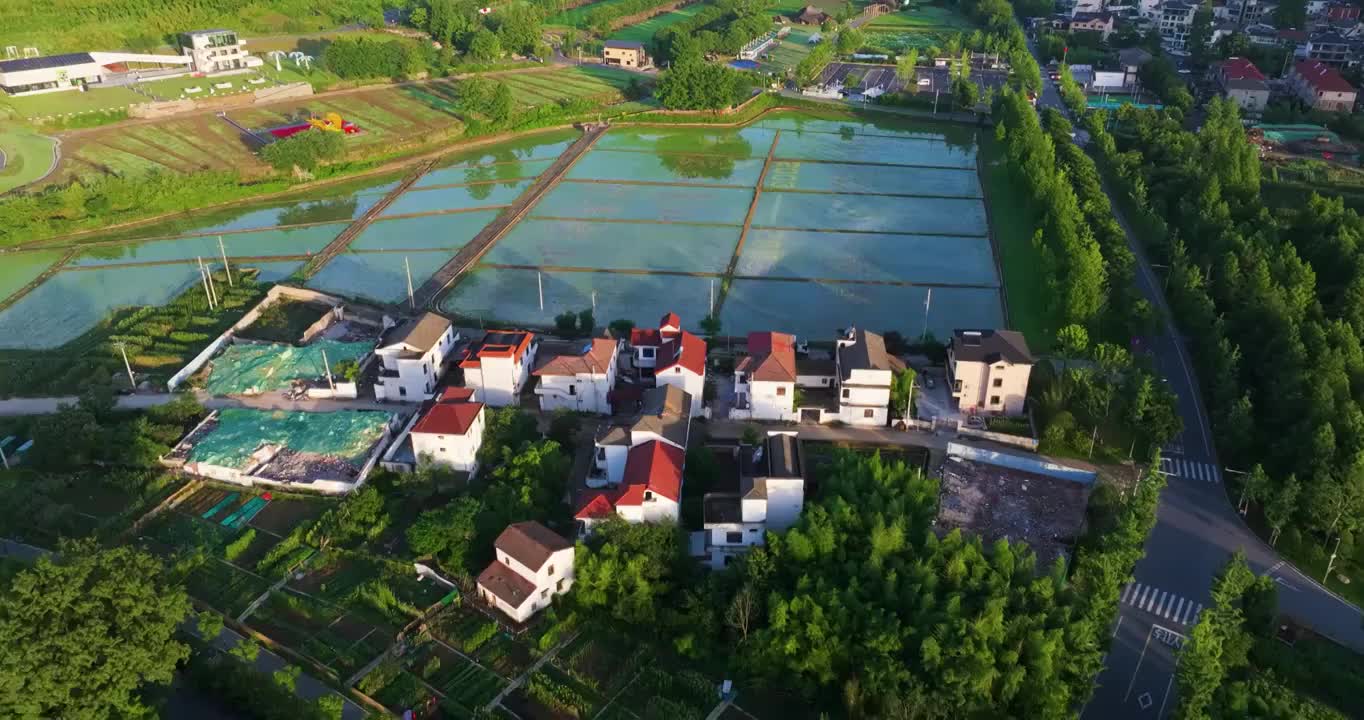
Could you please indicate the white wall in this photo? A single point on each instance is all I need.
(978, 386)
(815, 381)
(498, 380)
(772, 400)
(686, 380)
(750, 534)
(457, 452)
(588, 392)
(612, 459)
(660, 510)
(785, 498)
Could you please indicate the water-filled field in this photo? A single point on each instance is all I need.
(257, 243)
(20, 269)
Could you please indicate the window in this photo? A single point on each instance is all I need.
(734, 538)
(551, 571)
(846, 393)
(559, 586)
(572, 389)
(647, 352)
(868, 413)
(753, 530)
(442, 449)
(402, 391)
(956, 386)
(994, 399)
(601, 453)
(998, 382)
(781, 391)
(677, 370)
(648, 496)
(544, 593)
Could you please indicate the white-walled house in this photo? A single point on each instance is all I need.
(532, 565)
(765, 380)
(665, 416)
(638, 466)
(865, 371)
(672, 356)
(412, 356)
(770, 498)
(450, 432)
(988, 371)
(577, 377)
(497, 367)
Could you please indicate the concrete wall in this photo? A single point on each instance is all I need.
(263, 96)
(1038, 465)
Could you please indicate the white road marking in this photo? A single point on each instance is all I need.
(1153, 600)
(1128, 591)
(1179, 609)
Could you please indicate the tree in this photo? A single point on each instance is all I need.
(1200, 35)
(564, 425)
(506, 431)
(850, 40)
(566, 322)
(246, 650)
(1281, 507)
(447, 533)
(965, 93)
(741, 613)
(700, 85)
(331, 706)
(305, 151)
(901, 392)
(1291, 14)
(810, 66)
(209, 624)
(84, 630)
(626, 568)
(485, 46)
(906, 66)
(710, 325)
(1072, 341)
(287, 677)
(621, 327)
(502, 105)
(418, 18)
(586, 323)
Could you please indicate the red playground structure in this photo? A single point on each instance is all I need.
(331, 122)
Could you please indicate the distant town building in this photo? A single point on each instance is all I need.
(497, 367)
(1176, 19)
(450, 432)
(1321, 87)
(1243, 83)
(852, 387)
(765, 379)
(577, 376)
(637, 466)
(532, 565)
(1101, 23)
(864, 374)
(412, 357)
(625, 53)
(988, 370)
(1330, 47)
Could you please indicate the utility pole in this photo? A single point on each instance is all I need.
(1241, 505)
(1331, 562)
(935, 98)
(928, 302)
(123, 348)
(411, 298)
(326, 366)
(712, 297)
(226, 268)
(540, 285)
(203, 277)
(208, 283)
(594, 303)
(3, 460)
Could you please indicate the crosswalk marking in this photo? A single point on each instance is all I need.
(1189, 469)
(1161, 603)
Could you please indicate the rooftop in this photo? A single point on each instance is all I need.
(721, 508)
(867, 351)
(580, 358)
(1323, 77)
(777, 457)
(508, 586)
(420, 333)
(45, 62)
(989, 346)
(531, 543)
(453, 414)
(1239, 68)
(655, 467)
(772, 357)
(497, 343)
(624, 44)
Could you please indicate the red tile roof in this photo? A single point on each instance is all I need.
(599, 505)
(691, 354)
(1239, 68)
(772, 357)
(670, 320)
(1323, 77)
(645, 337)
(452, 414)
(594, 361)
(1294, 35)
(654, 466)
(497, 343)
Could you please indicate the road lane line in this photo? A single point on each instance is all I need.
(1126, 591)
(1197, 612)
(1165, 612)
(1154, 602)
(1142, 599)
(1179, 610)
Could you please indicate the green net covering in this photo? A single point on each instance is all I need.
(1296, 133)
(346, 435)
(262, 368)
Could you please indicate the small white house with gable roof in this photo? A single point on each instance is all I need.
(413, 355)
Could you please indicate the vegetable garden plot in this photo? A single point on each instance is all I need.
(466, 685)
(404, 692)
(429, 232)
(551, 689)
(20, 269)
(602, 661)
(465, 629)
(457, 198)
(644, 32)
(756, 305)
(505, 656)
(379, 276)
(836, 178)
(866, 256)
(667, 692)
(616, 246)
(666, 167)
(874, 149)
(511, 296)
(870, 213)
(599, 201)
(262, 243)
(744, 143)
(310, 627)
(381, 592)
(284, 513)
(224, 587)
(507, 171)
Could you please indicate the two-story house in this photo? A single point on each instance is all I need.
(864, 374)
(1330, 47)
(1243, 83)
(217, 51)
(1174, 24)
(577, 376)
(638, 465)
(532, 565)
(765, 379)
(1321, 87)
(671, 356)
(625, 53)
(450, 432)
(412, 356)
(498, 366)
(770, 496)
(988, 371)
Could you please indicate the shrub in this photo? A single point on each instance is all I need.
(305, 150)
(238, 546)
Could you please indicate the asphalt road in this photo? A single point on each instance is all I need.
(1197, 530)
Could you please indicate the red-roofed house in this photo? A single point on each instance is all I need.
(498, 366)
(1243, 83)
(451, 431)
(651, 492)
(765, 380)
(1320, 86)
(578, 375)
(673, 355)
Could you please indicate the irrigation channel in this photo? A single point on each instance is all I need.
(791, 223)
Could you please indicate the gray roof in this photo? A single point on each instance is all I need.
(867, 352)
(614, 435)
(721, 508)
(624, 44)
(530, 543)
(1133, 56)
(777, 457)
(421, 332)
(990, 346)
(666, 413)
(49, 61)
(753, 488)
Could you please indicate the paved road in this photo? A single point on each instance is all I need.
(1196, 532)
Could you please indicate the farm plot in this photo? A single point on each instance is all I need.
(551, 693)
(616, 246)
(510, 295)
(324, 632)
(263, 243)
(540, 88)
(378, 276)
(752, 305)
(174, 145)
(465, 685)
(923, 16)
(20, 269)
(385, 115)
(679, 694)
(644, 32)
(601, 660)
(460, 197)
(60, 104)
(380, 591)
(577, 17)
(667, 168)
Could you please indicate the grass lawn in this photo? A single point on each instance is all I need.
(174, 88)
(28, 156)
(577, 17)
(72, 102)
(792, 7)
(644, 32)
(788, 53)
(923, 16)
(1011, 224)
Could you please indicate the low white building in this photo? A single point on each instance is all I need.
(770, 498)
(864, 374)
(498, 366)
(988, 371)
(413, 355)
(450, 432)
(532, 565)
(671, 356)
(577, 377)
